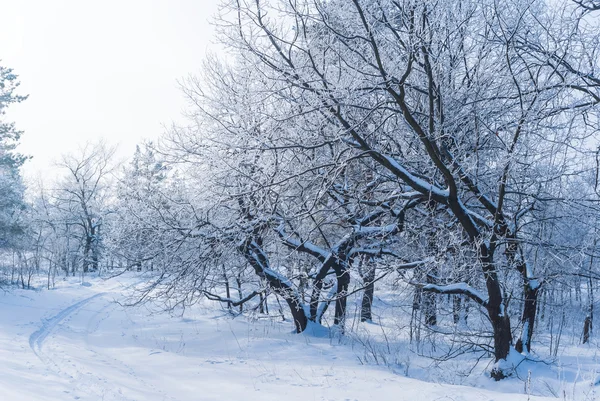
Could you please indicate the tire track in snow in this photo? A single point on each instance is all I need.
(116, 364)
(82, 383)
(37, 338)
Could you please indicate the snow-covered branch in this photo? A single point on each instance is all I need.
(458, 288)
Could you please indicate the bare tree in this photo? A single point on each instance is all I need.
(82, 197)
(451, 100)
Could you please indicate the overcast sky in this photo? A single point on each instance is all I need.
(99, 69)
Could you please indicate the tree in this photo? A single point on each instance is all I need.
(138, 199)
(83, 197)
(11, 186)
(275, 190)
(456, 101)
(454, 142)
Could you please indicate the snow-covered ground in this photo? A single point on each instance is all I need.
(76, 342)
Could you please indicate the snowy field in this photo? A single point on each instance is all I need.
(76, 342)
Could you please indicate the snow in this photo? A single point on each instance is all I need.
(308, 245)
(282, 279)
(458, 287)
(417, 182)
(385, 230)
(511, 363)
(77, 343)
(534, 284)
(315, 249)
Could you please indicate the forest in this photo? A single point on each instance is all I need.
(344, 162)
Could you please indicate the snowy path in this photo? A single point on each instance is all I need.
(76, 343)
(36, 339)
(85, 384)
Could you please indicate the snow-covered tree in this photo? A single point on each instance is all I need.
(83, 200)
(469, 106)
(11, 186)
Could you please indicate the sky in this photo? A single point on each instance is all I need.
(99, 70)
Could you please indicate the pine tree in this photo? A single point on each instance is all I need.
(11, 185)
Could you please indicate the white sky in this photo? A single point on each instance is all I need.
(99, 69)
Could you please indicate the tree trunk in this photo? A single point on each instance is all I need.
(415, 322)
(429, 303)
(343, 280)
(86, 255)
(93, 248)
(238, 281)
(456, 308)
(259, 261)
(227, 289)
(496, 312)
(531, 290)
(261, 304)
(49, 273)
(502, 337)
(315, 296)
(588, 324)
(367, 298)
(587, 328)
(94, 261)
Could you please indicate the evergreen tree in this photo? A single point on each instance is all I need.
(11, 186)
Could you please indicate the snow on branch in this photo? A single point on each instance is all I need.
(412, 265)
(458, 288)
(415, 182)
(301, 246)
(373, 251)
(389, 229)
(273, 275)
(232, 302)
